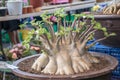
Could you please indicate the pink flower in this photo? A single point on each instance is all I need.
(53, 18)
(14, 56)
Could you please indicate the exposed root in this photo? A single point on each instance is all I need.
(64, 64)
(90, 59)
(40, 62)
(76, 66)
(118, 12)
(51, 67)
(79, 64)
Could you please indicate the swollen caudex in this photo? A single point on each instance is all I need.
(64, 62)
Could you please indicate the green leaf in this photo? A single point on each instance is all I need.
(112, 34)
(104, 29)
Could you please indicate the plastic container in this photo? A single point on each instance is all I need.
(14, 7)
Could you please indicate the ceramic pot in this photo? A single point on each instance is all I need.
(70, 1)
(103, 74)
(14, 7)
(28, 9)
(36, 3)
(112, 23)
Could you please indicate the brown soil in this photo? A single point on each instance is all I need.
(26, 65)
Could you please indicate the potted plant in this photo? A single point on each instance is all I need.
(36, 3)
(3, 9)
(110, 19)
(14, 7)
(64, 53)
(27, 8)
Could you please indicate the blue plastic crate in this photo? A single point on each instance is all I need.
(108, 50)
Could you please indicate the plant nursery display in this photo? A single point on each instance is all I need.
(64, 52)
(110, 18)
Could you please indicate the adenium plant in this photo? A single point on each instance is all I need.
(65, 51)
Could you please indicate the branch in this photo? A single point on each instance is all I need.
(70, 37)
(51, 30)
(64, 40)
(87, 36)
(48, 51)
(57, 42)
(84, 33)
(64, 23)
(73, 45)
(82, 49)
(43, 39)
(73, 24)
(76, 37)
(78, 23)
(58, 24)
(52, 33)
(93, 43)
(48, 41)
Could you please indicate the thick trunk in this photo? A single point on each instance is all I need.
(40, 62)
(68, 60)
(51, 67)
(64, 64)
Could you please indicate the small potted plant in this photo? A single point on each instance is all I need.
(14, 7)
(36, 3)
(3, 9)
(27, 8)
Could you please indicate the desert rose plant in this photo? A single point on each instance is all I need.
(65, 51)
